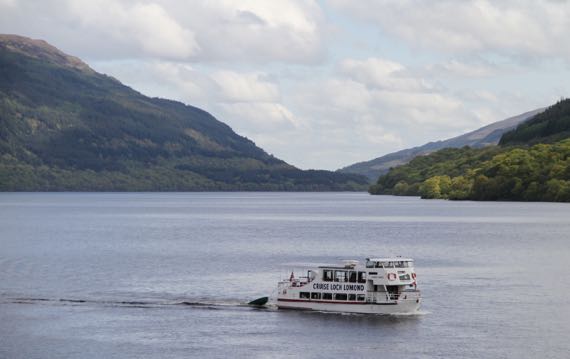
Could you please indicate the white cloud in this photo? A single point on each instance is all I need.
(481, 95)
(148, 25)
(7, 3)
(251, 100)
(275, 14)
(390, 85)
(198, 31)
(381, 73)
(463, 69)
(334, 94)
(259, 117)
(256, 30)
(511, 27)
(375, 134)
(245, 87)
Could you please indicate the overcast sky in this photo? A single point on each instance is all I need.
(322, 84)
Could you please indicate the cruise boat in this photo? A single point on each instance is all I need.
(379, 286)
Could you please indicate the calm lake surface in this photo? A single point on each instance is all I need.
(164, 275)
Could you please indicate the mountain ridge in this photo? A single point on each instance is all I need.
(41, 49)
(65, 127)
(481, 137)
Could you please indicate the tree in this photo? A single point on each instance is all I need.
(480, 188)
(460, 188)
(430, 188)
(401, 188)
(444, 185)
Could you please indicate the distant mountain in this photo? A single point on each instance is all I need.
(64, 126)
(485, 136)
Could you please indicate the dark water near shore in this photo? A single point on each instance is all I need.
(165, 275)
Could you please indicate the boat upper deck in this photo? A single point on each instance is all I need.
(389, 262)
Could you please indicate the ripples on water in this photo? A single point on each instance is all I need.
(167, 275)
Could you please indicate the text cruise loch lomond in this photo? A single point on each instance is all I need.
(381, 286)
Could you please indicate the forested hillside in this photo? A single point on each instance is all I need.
(549, 126)
(64, 126)
(511, 171)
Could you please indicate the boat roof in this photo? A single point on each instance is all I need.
(355, 262)
(390, 259)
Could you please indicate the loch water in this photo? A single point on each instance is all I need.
(165, 275)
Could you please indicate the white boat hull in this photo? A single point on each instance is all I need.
(408, 306)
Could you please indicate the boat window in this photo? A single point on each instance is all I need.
(340, 296)
(370, 264)
(405, 277)
(352, 297)
(372, 273)
(352, 277)
(304, 295)
(340, 276)
(315, 295)
(327, 296)
(361, 277)
(328, 275)
(360, 297)
(311, 275)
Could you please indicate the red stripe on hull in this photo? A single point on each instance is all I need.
(319, 301)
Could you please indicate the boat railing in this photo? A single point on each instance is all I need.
(300, 282)
(383, 297)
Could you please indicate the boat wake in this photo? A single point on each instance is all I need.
(204, 304)
(413, 314)
(416, 314)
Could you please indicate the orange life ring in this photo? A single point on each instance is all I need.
(414, 275)
(391, 276)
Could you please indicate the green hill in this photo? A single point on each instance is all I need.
(513, 171)
(64, 126)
